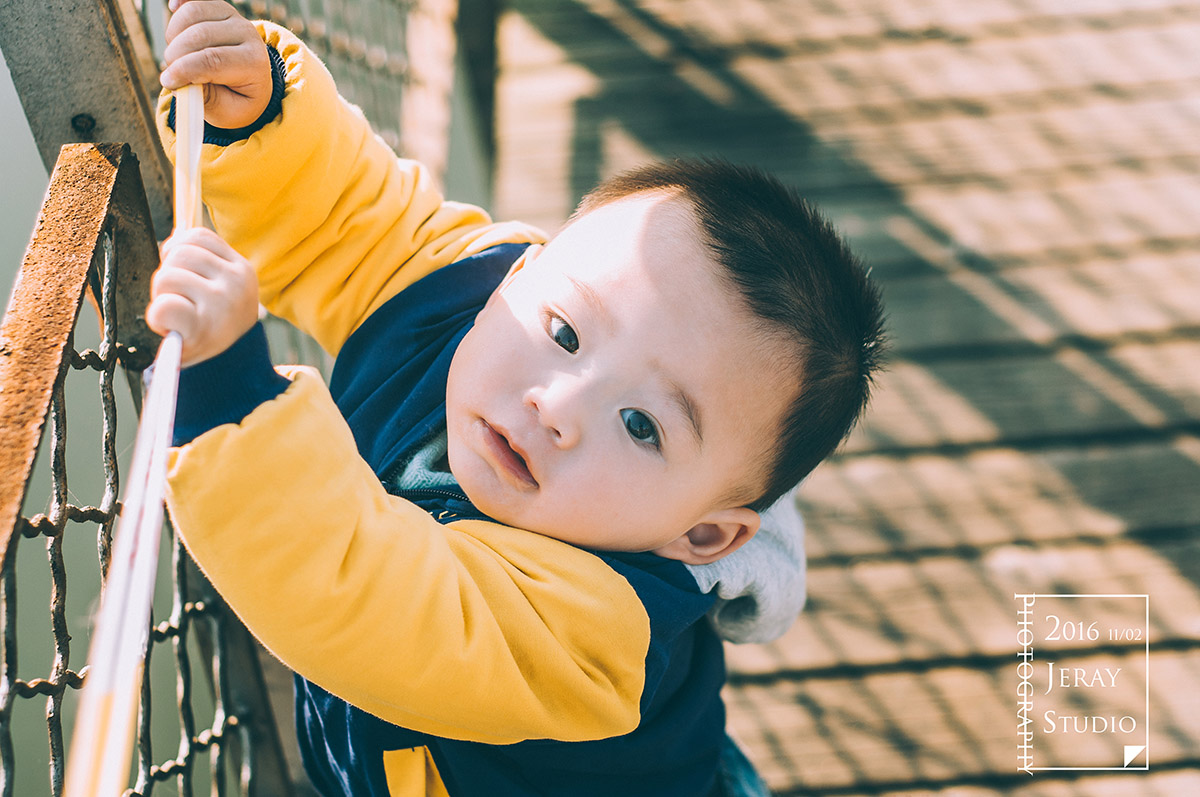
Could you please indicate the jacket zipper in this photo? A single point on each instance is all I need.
(445, 515)
(429, 492)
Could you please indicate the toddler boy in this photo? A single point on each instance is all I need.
(482, 547)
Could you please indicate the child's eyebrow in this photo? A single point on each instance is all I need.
(687, 407)
(689, 410)
(592, 299)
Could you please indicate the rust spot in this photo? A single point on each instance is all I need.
(44, 306)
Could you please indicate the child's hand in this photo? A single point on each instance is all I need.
(209, 43)
(205, 291)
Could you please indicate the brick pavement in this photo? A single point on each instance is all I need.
(1024, 179)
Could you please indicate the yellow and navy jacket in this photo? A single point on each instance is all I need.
(436, 651)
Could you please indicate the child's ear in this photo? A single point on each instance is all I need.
(718, 534)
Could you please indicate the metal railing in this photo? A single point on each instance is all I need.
(94, 240)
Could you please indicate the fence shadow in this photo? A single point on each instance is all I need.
(1047, 356)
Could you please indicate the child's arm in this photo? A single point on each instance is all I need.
(331, 220)
(470, 630)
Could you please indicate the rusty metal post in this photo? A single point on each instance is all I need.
(87, 186)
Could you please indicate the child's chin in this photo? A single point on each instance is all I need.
(490, 499)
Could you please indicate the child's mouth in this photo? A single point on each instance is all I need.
(508, 457)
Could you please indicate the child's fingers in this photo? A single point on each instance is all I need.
(190, 258)
(208, 34)
(210, 44)
(205, 291)
(170, 312)
(203, 238)
(232, 65)
(196, 306)
(187, 14)
(200, 265)
(186, 282)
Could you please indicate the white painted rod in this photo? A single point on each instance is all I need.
(98, 763)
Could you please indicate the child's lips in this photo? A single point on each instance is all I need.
(510, 458)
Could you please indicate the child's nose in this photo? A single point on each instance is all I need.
(557, 410)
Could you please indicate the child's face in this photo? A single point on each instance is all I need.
(612, 392)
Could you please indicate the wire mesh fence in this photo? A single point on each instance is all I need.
(94, 239)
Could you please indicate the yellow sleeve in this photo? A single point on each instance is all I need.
(471, 630)
(333, 222)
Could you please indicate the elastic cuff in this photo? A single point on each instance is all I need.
(226, 388)
(223, 137)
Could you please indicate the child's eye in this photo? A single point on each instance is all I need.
(562, 334)
(641, 427)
